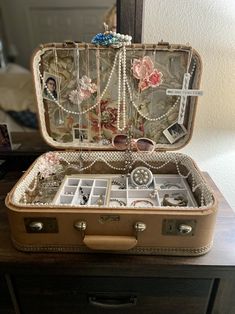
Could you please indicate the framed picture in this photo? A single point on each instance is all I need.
(80, 135)
(53, 86)
(174, 132)
(5, 139)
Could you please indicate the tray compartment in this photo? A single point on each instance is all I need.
(141, 198)
(176, 196)
(65, 199)
(118, 198)
(169, 182)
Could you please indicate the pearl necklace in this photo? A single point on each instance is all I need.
(122, 81)
(122, 84)
(122, 89)
(163, 115)
(90, 108)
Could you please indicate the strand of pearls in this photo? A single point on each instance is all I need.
(119, 89)
(61, 113)
(194, 186)
(24, 197)
(89, 166)
(122, 89)
(154, 167)
(34, 185)
(163, 115)
(178, 169)
(123, 39)
(115, 168)
(106, 162)
(144, 116)
(90, 108)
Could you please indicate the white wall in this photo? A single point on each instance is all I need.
(209, 27)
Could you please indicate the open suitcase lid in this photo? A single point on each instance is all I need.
(87, 94)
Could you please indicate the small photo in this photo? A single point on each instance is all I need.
(80, 135)
(5, 140)
(53, 86)
(174, 132)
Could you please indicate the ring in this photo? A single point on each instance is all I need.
(120, 202)
(145, 202)
(182, 201)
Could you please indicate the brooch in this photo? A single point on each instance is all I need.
(141, 177)
(109, 38)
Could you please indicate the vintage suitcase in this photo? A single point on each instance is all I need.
(114, 111)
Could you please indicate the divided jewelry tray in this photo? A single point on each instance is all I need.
(115, 191)
(101, 182)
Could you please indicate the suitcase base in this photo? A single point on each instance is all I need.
(136, 251)
(152, 230)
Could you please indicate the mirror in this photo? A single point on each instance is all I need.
(24, 25)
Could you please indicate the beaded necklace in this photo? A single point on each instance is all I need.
(123, 85)
(163, 115)
(90, 108)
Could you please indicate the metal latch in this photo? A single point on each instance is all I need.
(41, 224)
(178, 227)
(185, 229)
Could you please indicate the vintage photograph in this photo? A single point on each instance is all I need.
(80, 135)
(5, 140)
(52, 89)
(174, 132)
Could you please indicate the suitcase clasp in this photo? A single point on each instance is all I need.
(80, 226)
(139, 227)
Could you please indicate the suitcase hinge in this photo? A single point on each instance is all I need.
(164, 44)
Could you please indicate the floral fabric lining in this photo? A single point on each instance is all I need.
(149, 74)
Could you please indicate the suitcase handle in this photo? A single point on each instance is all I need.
(108, 242)
(111, 243)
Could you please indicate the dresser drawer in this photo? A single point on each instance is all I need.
(73, 295)
(6, 306)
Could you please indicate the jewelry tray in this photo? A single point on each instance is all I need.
(85, 197)
(114, 191)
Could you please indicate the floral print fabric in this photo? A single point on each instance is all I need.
(144, 77)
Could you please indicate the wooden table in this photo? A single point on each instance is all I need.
(31, 146)
(49, 283)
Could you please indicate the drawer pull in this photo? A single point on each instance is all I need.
(112, 301)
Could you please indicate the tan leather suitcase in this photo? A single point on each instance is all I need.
(114, 114)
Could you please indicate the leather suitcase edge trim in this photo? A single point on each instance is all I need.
(137, 250)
